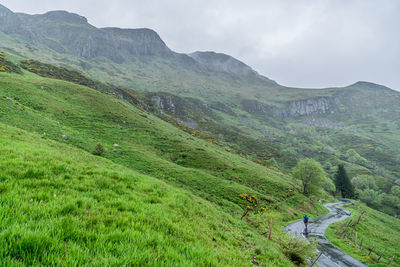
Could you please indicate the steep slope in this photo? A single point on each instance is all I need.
(62, 206)
(121, 207)
(142, 141)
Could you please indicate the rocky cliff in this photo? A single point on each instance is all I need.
(296, 108)
(66, 32)
(316, 105)
(10, 23)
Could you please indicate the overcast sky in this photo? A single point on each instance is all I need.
(310, 43)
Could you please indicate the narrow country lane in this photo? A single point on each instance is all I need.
(331, 256)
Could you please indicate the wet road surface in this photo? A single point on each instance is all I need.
(331, 256)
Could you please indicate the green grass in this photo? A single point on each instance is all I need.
(368, 114)
(110, 211)
(376, 228)
(53, 108)
(62, 206)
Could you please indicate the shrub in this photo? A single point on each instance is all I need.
(98, 150)
(8, 66)
(296, 249)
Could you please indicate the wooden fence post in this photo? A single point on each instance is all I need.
(381, 255)
(270, 228)
(371, 250)
(391, 260)
(315, 259)
(245, 212)
(359, 217)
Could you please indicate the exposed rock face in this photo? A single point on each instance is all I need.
(186, 108)
(164, 103)
(296, 108)
(317, 105)
(10, 23)
(8, 20)
(66, 32)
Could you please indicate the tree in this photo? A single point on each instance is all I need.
(310, 173)
(384, 184)
(363, 182)
(371, 198)
(396, 190)
(354, 157)
(343, 184)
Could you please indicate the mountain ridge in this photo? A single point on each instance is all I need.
(54, 30)
(209, 60)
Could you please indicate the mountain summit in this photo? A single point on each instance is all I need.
(66, 33)
(219, 62)
(69, 33)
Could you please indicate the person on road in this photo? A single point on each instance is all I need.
(305, 220)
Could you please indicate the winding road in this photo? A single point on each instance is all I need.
(331, 256)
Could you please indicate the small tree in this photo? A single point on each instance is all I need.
(343, 184)
(98, 150)
(310, 173)
(396, 190)
(363, 182)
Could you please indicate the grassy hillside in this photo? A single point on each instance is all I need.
(54, 108)
(375, 229)
(366, 142)
(140, 141)
(63, 206)
(269, 123)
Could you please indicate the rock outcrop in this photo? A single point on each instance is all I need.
(311, 106)
(181, 107)
(296, 108)
(10, 23)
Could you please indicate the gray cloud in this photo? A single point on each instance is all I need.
(298, 43)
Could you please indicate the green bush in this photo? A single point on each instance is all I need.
(296, 249)
(8, 66)
(98, 150)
